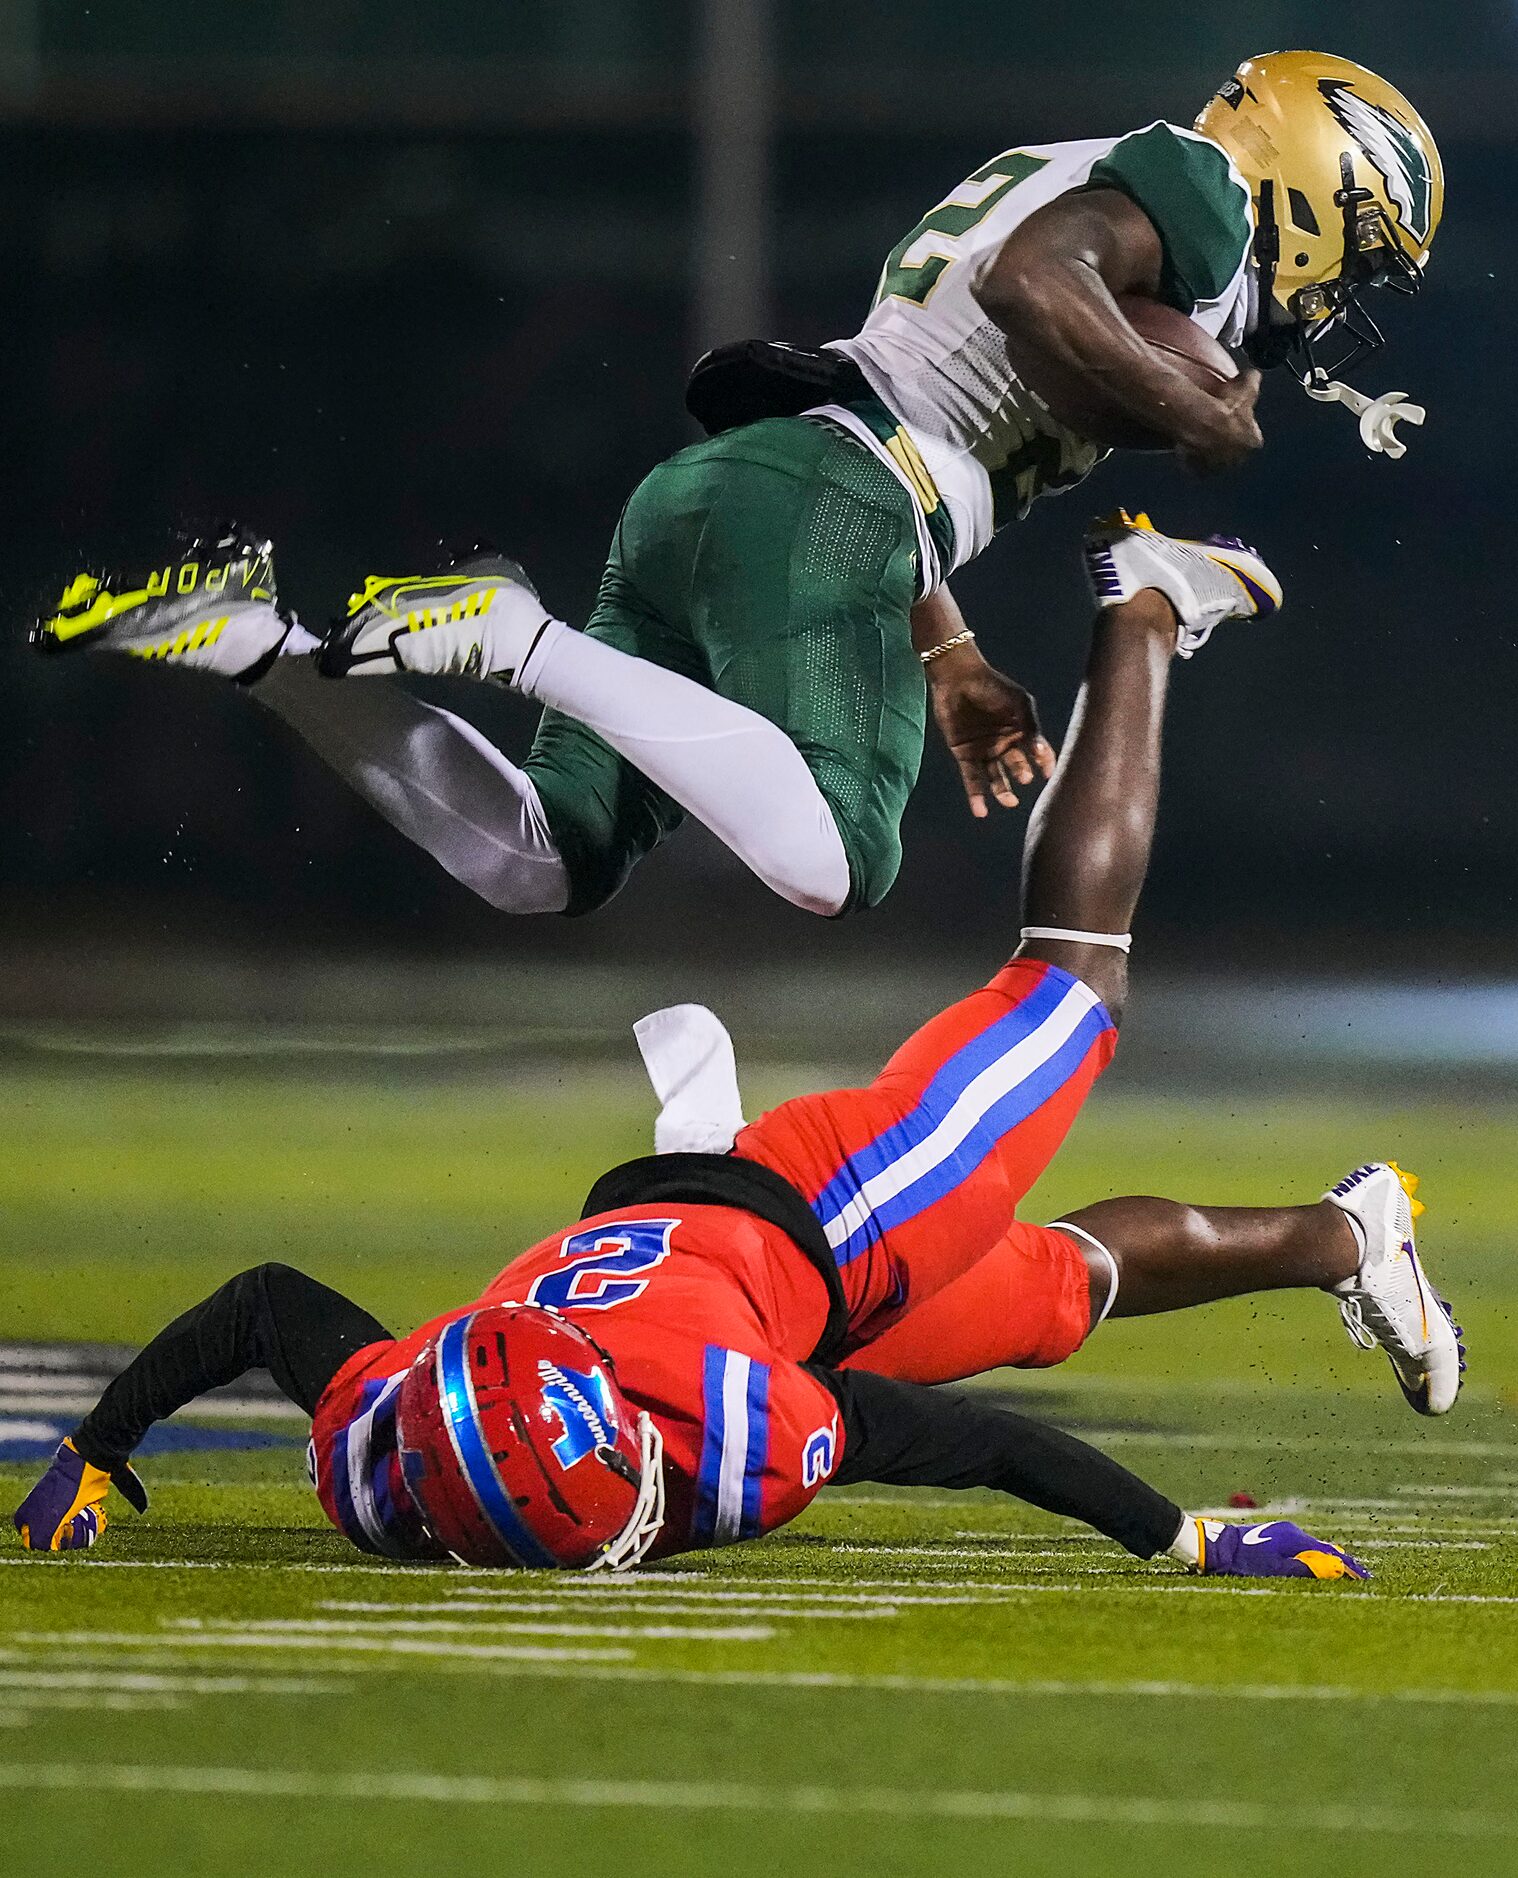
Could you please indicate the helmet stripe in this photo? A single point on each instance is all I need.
(462, 1419)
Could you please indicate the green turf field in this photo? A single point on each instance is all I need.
(896, 1684)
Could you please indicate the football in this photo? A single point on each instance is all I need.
(1079, 404)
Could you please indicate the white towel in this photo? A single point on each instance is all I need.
(689, 1058)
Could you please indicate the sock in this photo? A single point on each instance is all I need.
(298, 642)
(1186, 1547)
(729, 767)
(431, 775)
(1358, 1229)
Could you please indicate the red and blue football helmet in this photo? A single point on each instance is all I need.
(520, 1449)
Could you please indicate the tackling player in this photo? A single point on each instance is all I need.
(725, 1333)
(776, 597)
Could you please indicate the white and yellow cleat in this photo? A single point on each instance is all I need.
(211, 606)
(478, 619)
(1389, 1304)
(1206, 581)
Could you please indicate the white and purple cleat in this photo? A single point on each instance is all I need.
(1206, 581)
(1389, 1304)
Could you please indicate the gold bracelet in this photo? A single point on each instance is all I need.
(959, 639)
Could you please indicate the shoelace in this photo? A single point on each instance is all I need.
(1353, 1313)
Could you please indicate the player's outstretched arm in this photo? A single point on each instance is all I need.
(1052, 288)
(989, 722)
(270, 1317)
(901, 1434)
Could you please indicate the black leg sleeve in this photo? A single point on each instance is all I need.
(900, 1434)
(271, 1317)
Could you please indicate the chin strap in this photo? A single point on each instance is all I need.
(1378, 417)
(647, 1519)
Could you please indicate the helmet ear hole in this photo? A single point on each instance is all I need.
(1302, 215)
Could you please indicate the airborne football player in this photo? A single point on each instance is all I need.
(724, 1333)
(774, 622)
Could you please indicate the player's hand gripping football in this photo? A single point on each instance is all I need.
(65, 1511)
(991, 727)
(1278, 1549)
(1219, 428)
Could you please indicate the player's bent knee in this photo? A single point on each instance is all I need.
(1105, 972)
(869, 861)
(1102, 969)
(825, 889)
(804, 858)
(1114, 995)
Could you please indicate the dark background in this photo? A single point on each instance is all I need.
(374, 274)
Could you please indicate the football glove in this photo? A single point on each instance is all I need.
(65, 1511)
(1277, 1550)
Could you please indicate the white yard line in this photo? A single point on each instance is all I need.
(1373, 1544)
(1167, 1582)
(21, 1700)
(954, 1686)
(16, 1399)
(1456, 1597)
(137, 1683)
(1419, 1489)
(1287, 1444)
(688, 1587)
(798, 1607)
(472, 1627)
(381, 1645)
(738, 1797)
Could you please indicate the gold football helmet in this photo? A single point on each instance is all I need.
(1348, 190)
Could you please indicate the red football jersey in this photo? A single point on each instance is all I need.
(707, 1312)
(749, 1435)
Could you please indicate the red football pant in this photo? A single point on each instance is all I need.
(916, 1179)
(1025, 1305)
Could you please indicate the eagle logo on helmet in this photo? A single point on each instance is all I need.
(1391, 147)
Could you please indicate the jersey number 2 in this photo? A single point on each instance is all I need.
(597, 1266)
(914, 265)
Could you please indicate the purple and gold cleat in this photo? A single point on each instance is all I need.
(1278, 1550)
(65, 1511)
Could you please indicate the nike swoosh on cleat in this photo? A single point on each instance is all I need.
(1257, 1535)
(1418, 1281)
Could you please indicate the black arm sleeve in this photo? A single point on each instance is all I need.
(900, 1434)
(271, 1317)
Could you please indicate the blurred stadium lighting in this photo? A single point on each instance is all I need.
(19, 53)
(734, 110)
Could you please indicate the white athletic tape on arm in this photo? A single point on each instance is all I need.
(1120, 941)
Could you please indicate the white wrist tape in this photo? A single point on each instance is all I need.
(1122, 941)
